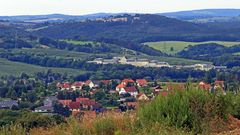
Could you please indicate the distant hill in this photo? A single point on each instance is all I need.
(140, 28)
(54, 17)
(205, 13)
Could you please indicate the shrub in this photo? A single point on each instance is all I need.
(13, 130)
(192, 110)
(105, 126)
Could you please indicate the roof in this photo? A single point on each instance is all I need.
(220, 83)
(127, 81)
(88, 82)
(65, 102)
(82, 99)
(91, 103)
(205, 86)
(8, 103)
(141, 82)
(105, 82)
(132, 103)
(64, 85)
(131, 89)
(121, 85)
(74, 105)
(78, 84)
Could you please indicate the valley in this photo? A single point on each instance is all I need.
(123, 73)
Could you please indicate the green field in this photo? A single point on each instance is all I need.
(56, 53)
(75, 42)
(177, 46)
(16, 68)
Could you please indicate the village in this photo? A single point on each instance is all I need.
(96, 97)
(153, 63)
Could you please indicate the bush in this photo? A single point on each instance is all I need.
(192, 110)
(105, 126)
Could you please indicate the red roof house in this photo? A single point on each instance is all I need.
(74, 106)
(120, 87)
(105, 82)
(141, 82)
(65, 102)
(64, 86)
(89, 83)
(127, 81)
(77, 85)
(80, 100)
(204, 86)
(131, 90)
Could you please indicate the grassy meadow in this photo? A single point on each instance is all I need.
(76, 42)
(16, 68)
(173, 47)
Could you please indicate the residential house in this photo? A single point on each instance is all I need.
(64, 86)
(127, 81)
(8, 104)
(92, 84)
(142, 97)
(65, 102)
(105, 82)
(90, 105)
(120, 87)
(141, 82)
(80, 99)
(131, 90)
(74, 106)
(219, 85)
(77, 85)
(204, 86)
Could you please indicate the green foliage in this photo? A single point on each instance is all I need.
(105, 126)
(27, 119)
(192, 110)
(13, 130)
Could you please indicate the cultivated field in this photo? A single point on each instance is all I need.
(16, 68)
(173, 47)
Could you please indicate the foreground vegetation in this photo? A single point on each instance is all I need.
(173, 47)
(182, 112)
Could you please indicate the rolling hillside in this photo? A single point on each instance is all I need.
(204, 13)
(141, 28)
(173, 47)
(16, 68)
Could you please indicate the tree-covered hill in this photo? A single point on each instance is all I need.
(140, 28)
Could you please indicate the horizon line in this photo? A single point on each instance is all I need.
(120, 12)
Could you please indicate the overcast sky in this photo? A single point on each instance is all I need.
(80, 7)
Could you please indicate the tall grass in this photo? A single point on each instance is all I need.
(192, 110)
(13, 130)
(181, 112)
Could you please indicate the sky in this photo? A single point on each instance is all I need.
(81, 7)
